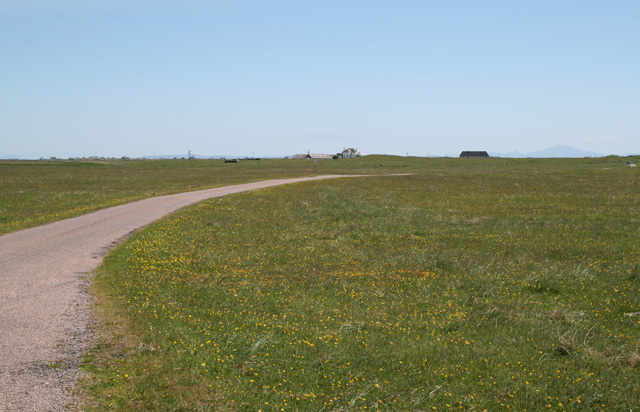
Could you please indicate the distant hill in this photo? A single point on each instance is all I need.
(563, 151)
(556, 151)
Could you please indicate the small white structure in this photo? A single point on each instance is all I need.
(349, 153)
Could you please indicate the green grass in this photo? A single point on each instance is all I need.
(497, 284)
(33, 193)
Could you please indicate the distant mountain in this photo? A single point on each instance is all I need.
(563, 151)
(556, 151)
(510, 154)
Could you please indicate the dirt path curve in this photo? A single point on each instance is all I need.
(43, 310)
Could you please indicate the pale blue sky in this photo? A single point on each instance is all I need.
(272, 78)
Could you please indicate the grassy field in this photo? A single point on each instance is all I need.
(469, 285)
(34, 193)
(500, 284)
(37, 192)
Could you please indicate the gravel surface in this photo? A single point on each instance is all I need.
(44, 304)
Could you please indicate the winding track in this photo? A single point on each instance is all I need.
(43, 308)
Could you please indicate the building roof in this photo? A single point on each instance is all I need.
(474, 154)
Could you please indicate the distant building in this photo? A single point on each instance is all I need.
(349, 153)
(474, 155)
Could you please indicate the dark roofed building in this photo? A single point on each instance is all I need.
(467, 154)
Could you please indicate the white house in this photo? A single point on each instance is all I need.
(350, 152)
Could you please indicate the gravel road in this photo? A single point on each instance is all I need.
(44, 307)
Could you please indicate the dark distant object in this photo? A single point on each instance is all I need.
(231, 160)
(251, 158)
(474, 155)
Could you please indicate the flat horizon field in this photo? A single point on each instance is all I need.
(38, 192)
(489, 284)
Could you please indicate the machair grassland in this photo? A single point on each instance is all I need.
(33, 193)
(499, 284)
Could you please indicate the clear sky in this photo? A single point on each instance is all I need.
(278, 77)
